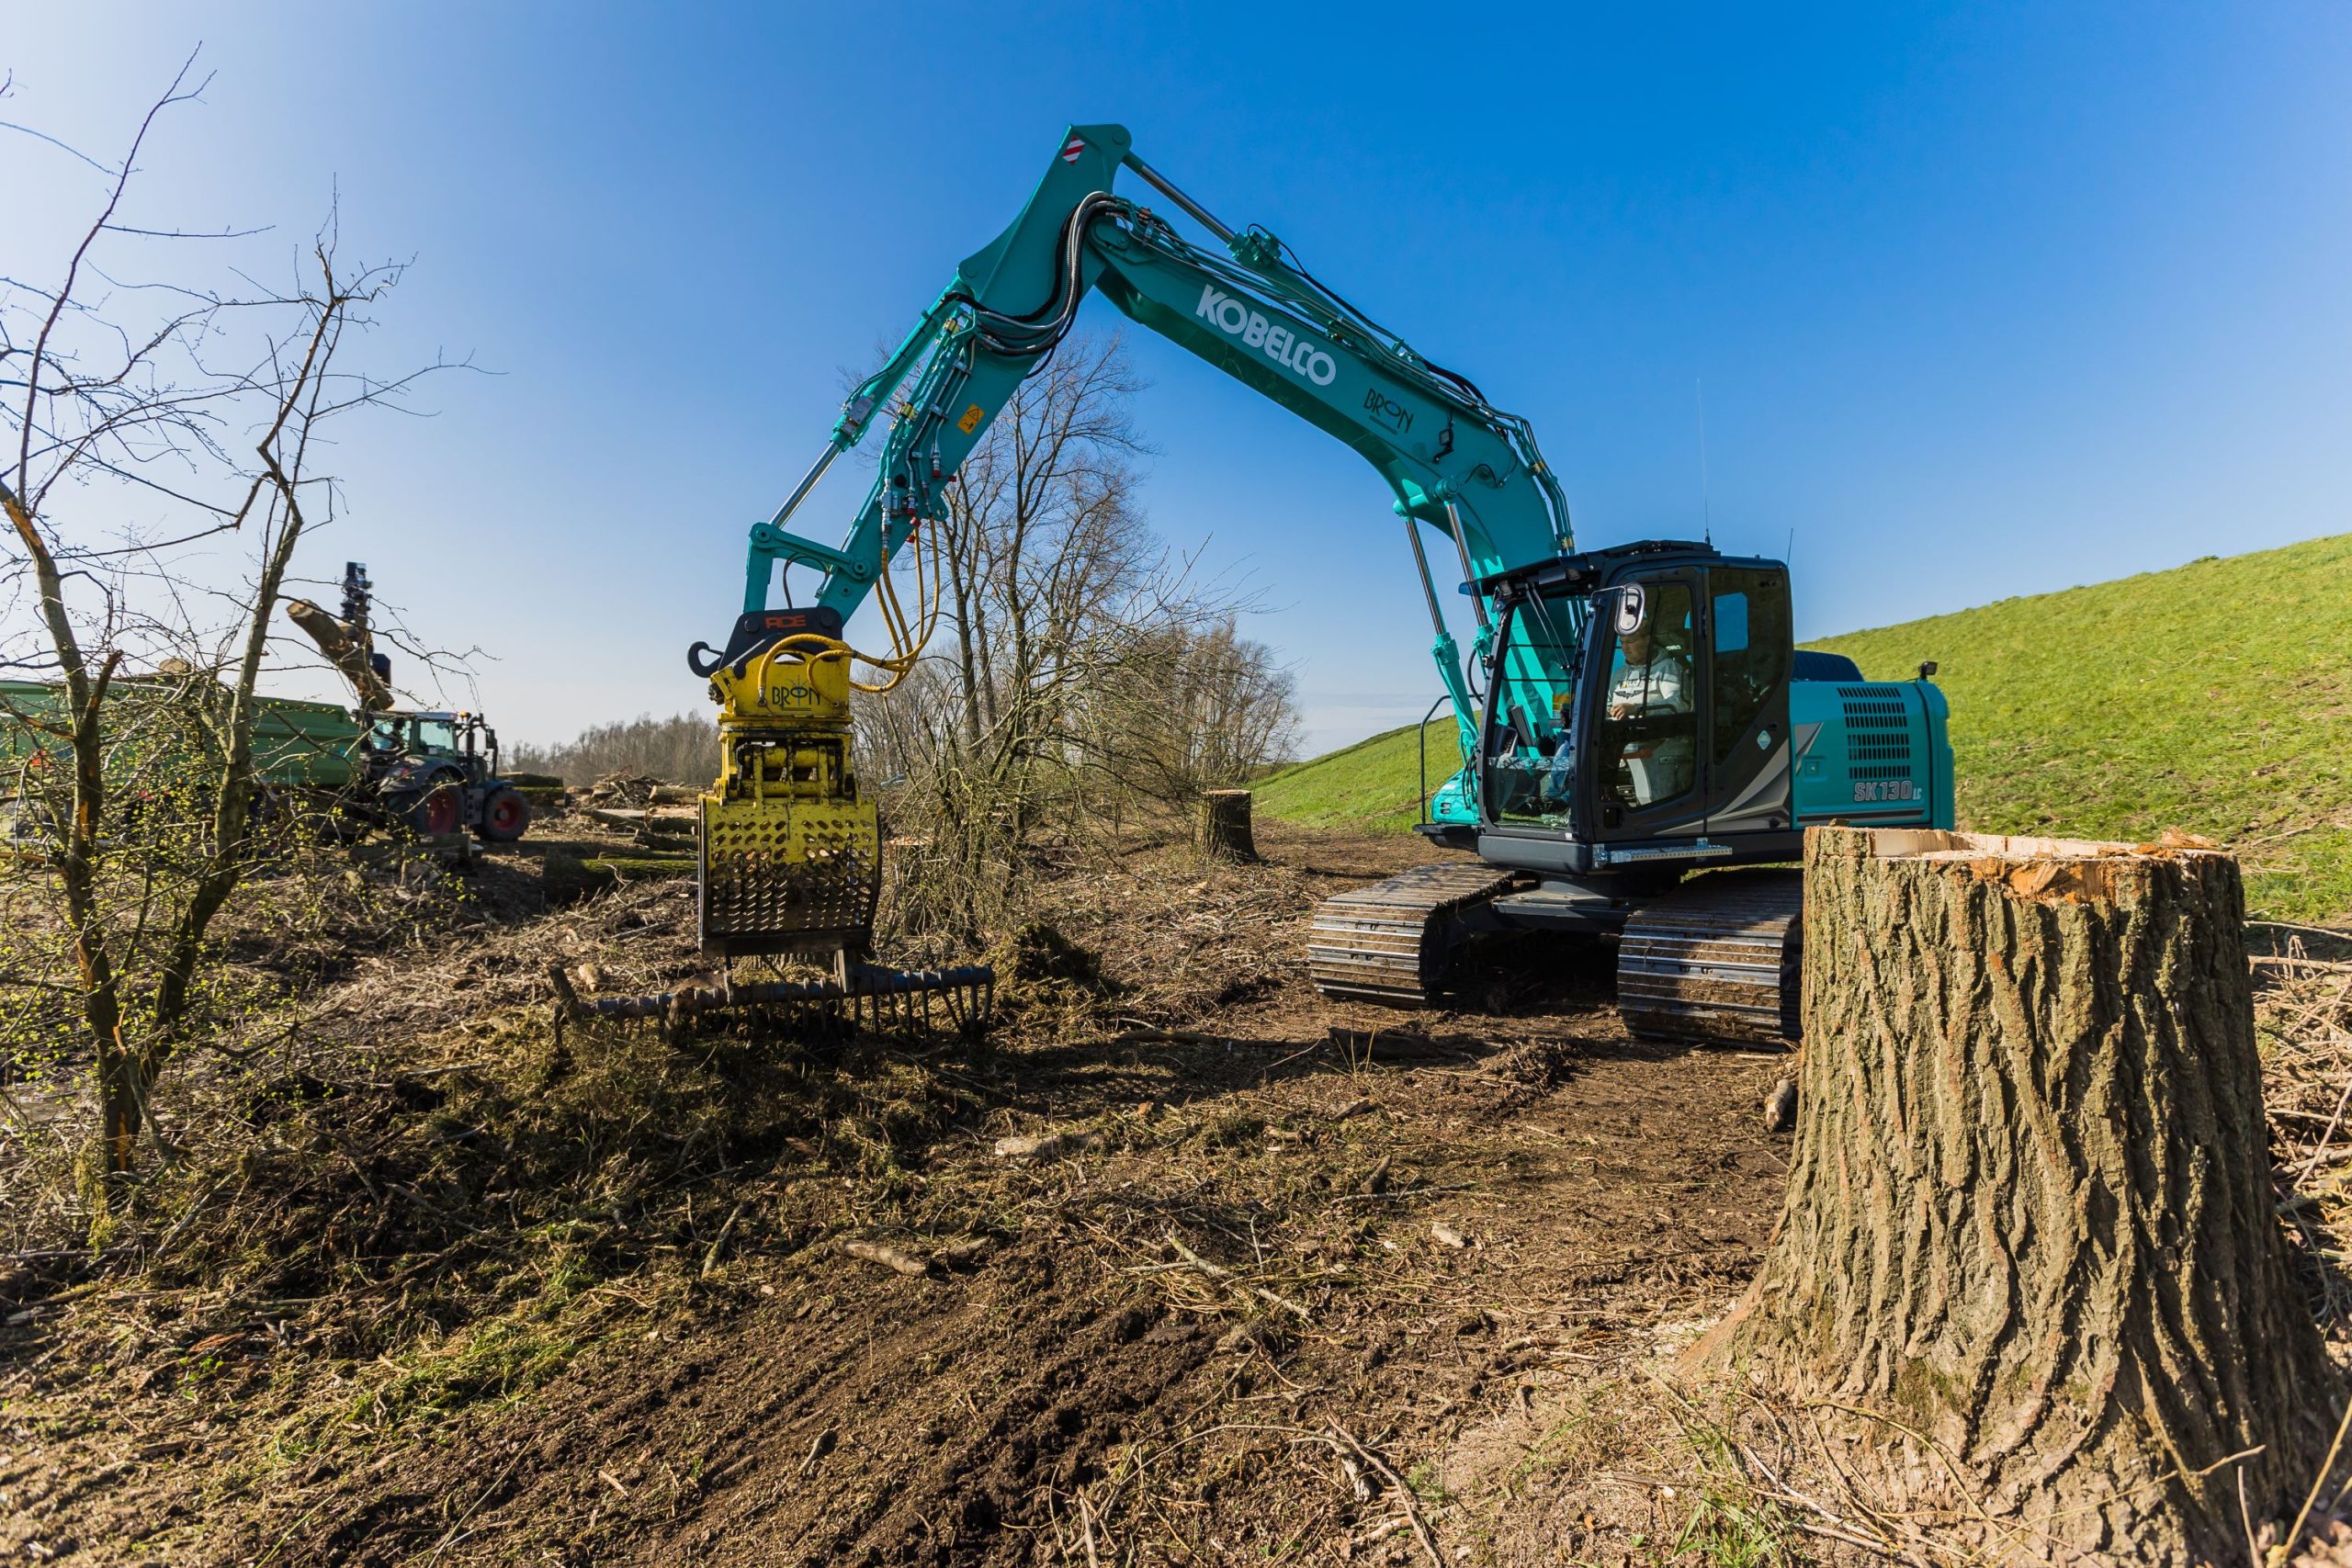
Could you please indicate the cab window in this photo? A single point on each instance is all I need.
(1647, 747)
(1529, 757)
(1751, 650)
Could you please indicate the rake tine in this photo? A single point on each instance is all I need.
(886, 1001)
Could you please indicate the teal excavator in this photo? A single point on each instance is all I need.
(1626, 717)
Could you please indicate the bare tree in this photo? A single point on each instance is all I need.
(1064, 612)
(1192, 709)
(199, 412)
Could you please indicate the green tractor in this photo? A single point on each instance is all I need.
(438, 773)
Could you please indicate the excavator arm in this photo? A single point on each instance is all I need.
(791, 851)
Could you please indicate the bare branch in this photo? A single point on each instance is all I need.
(173, 95)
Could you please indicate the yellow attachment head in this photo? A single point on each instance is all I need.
(802, 679)
(791, 857)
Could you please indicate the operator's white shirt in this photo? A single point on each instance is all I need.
(1662, 685)
(1660, 769)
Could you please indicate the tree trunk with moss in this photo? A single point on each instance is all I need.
(2030, 1220)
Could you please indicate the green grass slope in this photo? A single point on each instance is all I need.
(2215, 697)
(1371, 786)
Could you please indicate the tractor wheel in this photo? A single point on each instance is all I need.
(437, 812)
(503, 817)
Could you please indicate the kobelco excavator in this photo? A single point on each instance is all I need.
(1625, 716)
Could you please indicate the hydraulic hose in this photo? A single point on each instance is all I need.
(1045, 328)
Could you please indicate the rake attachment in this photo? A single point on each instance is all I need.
(866, 996)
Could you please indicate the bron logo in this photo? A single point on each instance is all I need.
(1276, 340)
(1387, 412)
(791, 695)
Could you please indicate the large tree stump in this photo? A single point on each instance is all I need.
(2031, 1215)
(1224, 825)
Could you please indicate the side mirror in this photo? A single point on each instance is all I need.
(1633, 608)
(1927, 668)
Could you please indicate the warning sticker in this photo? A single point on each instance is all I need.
(971, 420)
(1072, 148)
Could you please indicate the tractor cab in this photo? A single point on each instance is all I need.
(437, 772)
(462, 739)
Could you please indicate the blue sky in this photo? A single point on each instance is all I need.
(1985, 300)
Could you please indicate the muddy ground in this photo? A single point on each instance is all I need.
(1291, 1281)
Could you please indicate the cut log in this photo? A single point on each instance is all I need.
(349, 652)
(1224, 825)
(2030, 1215)
(649, 821)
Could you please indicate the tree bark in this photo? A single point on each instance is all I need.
(350, 653)
(1224, 825)
(2031, 1215)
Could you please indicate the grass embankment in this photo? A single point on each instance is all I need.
(1374, 785)
(2216, 697)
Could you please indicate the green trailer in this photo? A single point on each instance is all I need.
(296, 744)
(313, 744)
(435, 772)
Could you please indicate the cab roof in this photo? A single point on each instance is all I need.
(1589, 569)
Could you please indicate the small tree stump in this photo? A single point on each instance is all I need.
(2030, 1215)
(1224, 825)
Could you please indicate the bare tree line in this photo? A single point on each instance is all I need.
(682, 749)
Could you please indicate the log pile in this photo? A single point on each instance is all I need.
(623, 791)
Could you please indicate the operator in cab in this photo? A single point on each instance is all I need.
(1655, 682)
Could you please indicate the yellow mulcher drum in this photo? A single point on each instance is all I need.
(791, 853)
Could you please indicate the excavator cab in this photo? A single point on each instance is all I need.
(1640, 696)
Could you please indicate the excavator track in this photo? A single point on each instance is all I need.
(1390, 942)
(1720, 957)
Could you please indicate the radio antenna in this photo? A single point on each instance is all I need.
(1706, 500)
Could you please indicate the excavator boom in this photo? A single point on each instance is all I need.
(790, 846)
(1640, 711)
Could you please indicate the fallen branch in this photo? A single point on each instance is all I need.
(1396, 1484)
(1086, 1523)
(1227, 1278)
(888, 1257)
(1165, 1037)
